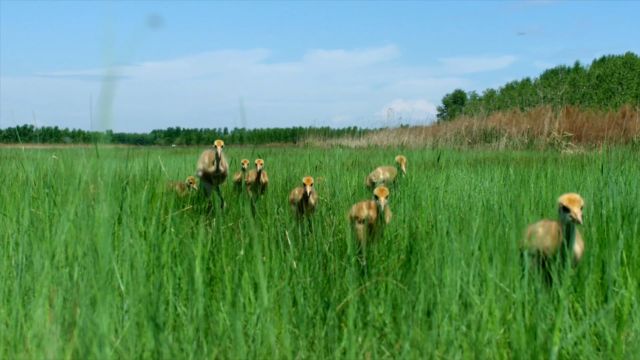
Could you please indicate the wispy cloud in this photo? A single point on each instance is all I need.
(352, 58)
(542, 65)
(476, 64)
(341, 86)
(87, 76)
(398, 111)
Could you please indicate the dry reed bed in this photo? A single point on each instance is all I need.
(567, 129)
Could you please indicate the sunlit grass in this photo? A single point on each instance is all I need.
(98, 260)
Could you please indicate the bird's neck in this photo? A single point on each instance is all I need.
(568, 237)
(218, 158)
(380, 214)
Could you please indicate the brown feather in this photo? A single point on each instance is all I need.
(545, 237)
(257, 180)
(364, 215)
(301, 203)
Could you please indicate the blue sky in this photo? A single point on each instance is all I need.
(142, 65)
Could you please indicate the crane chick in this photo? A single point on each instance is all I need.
(239, 177)
(182, 188)
(257, 179)
(212, 169)
(369, 216)
(548, 238)
(303, 199)
(385, 175)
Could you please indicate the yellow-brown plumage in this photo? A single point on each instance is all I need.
(371, 215)
(385, 175)
(546, 238)
(182, 188)
(303, 199)
(212, 169)
(257, 179)
(239, 177)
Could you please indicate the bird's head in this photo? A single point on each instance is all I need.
(570, 208)
(244, 164)
(401, 160)
(218, 145)
(307, 184)
(381, 196)
(191, 183)
(259, 164)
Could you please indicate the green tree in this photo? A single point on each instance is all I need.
(452, 105)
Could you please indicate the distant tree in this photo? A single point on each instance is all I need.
(452, 105)
(608, 83)
(177, 135)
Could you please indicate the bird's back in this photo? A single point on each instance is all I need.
(544, 237)
(209, 170)
(364, 211)
(251, 177)
(206, 162)
(313, 199)
(255, 183)
(264, 178)
(382, 175)
(238, 177)
(179, 187)
(578, 247)
(296, 196)
(298, 203)
(223, 167)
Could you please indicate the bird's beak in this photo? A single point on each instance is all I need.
(219, 151)
(404, 170)
(577, 217)
(307, 190)
(195, 187)
(383, 203)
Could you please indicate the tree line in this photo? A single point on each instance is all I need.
(607, 84)
(172, 135)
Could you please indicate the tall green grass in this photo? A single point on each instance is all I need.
(98, 260)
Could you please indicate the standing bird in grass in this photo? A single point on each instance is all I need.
(257, 180)
(547, 239)
(213, 169)
(303, 199)
(238, 178)
(385, 175)
(182, 188)
(369, 217)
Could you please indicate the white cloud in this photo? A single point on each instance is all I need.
(338, 87)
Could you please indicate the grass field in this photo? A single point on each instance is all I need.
(97, 260)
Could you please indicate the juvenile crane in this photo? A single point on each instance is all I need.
(257, 180)
(182, 188)
(303, 199)
(548, 238)
(385, 175)
(369, 217)
(238, 178)
(212, 169)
